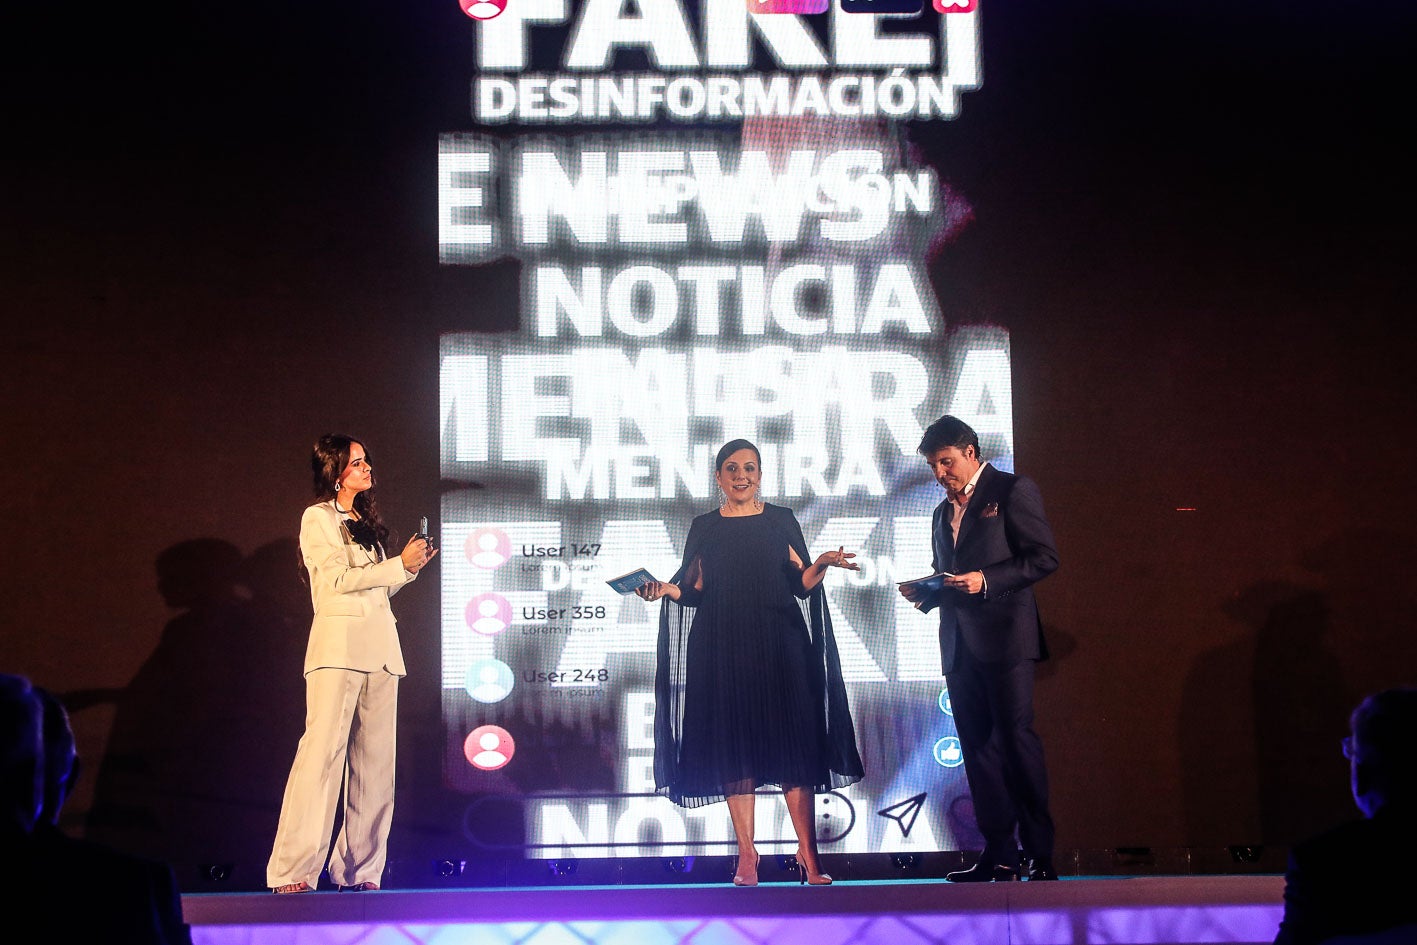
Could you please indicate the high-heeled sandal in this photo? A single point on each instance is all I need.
(740, 880)
(300, 887)
(804, 877)
(366, 886)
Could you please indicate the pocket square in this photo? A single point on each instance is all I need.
(990, 511)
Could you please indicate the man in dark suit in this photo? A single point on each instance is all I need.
(128, 899)
(1349, 884)
(21, 763)
(68, 891)
(992, 537)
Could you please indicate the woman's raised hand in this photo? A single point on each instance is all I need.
(416, 554)
(841, 558)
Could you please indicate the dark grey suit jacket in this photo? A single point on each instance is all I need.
(1005, 535)
(1350, 882)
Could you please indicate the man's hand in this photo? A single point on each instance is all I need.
(971, 583)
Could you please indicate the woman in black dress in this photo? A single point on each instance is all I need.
(748, 688)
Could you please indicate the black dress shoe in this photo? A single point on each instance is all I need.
(1041, 871)
(983, 872)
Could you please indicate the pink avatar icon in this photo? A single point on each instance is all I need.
(488, 614)
(482, 9)
(488, 548)
(488, 747)
(955, 6)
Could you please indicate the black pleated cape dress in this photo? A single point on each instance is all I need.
(748, 682)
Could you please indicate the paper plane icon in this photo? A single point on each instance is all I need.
(904, 812)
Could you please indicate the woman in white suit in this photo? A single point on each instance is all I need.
(352, 668)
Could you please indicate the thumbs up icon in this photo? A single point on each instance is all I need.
(948, 753)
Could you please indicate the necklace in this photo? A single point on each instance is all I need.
(348, 511)
(723, 508)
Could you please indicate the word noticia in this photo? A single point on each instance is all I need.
(846, 67)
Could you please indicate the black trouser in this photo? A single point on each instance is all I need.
(1003, 755)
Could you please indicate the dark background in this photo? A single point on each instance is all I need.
(1194, 219)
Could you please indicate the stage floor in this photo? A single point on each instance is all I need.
(1074, 911)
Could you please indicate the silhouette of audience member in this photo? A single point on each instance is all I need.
(1348, 885)
(21, 777)
(64, 890)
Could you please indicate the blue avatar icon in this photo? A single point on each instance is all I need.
(489, 680)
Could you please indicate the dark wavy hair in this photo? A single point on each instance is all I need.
(327, 460)
(948, 431)
(731, 447)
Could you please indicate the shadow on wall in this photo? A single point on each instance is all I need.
(1264, 715)
(204, 733)
(1061, 646)
(1368, 584)
(1255, 722)
(1301, 705)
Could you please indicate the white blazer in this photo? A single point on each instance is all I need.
(354, 628)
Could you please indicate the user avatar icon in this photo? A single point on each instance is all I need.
(488, 747)
(955, 6)
(945, 705)
(482, 9)
(488, 680)
(488, 548)
(948, 753)
(488, 614)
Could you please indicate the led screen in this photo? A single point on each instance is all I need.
(758, 274)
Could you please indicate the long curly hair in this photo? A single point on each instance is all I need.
(327, 460)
